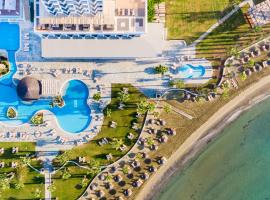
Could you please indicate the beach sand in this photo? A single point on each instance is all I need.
(203, 135)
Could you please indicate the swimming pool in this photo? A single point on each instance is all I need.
(74, 117)
(189, 71)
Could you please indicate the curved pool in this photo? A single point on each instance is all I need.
(189, 71)
(74, 117)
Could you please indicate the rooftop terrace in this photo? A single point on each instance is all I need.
(117, 16)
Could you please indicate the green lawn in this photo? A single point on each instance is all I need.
(235, 32)
(31, 179)
(188, 19)
(68, 189)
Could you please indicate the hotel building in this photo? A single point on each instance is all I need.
(101, 19)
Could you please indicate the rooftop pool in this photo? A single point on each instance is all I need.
(189, 71)
(74, 117)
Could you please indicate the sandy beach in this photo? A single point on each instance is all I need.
(203, 135)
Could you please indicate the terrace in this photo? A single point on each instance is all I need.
(118, 16)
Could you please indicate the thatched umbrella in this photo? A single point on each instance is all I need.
(152, 169)
(29, 89)
(144, 176)
(100, 193)
(118, 178)
(128, 192)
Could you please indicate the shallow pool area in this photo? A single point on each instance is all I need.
(189, 71)
(74, 117)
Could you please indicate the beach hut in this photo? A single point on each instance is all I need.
(29, 89)
(2, 150)
(15, 150)
(2, 164)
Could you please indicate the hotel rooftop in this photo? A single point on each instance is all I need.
(90, 17)
(10, 9)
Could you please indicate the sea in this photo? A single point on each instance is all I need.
(234, 166)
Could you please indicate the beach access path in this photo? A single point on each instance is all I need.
(153, 185)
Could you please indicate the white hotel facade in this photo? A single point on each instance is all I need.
(96, 29)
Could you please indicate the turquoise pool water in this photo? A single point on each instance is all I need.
(74, 117)
(189, 71)
(234, 167)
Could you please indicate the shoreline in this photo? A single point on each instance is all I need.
(199, 140)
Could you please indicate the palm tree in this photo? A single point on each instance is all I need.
(97, 96)
(167, 108)
(52, 187)
(66, 175)
(161, 69)
(150, 141)
(84, 182)
(123, 96)
(243, 76)
(94, 166)
(233, 51)
(126, 169)
(108, 177)
(117, 143)
(37, 193)
(108, 112)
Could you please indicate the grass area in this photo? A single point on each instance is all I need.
(124, 119)
(31, 180)
(188, 19)
(70, 188)
(235, 32)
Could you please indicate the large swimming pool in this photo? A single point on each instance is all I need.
(189, 71)
(74, 117)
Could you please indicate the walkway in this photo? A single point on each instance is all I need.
(48, 182)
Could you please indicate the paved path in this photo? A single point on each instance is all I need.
(48, 182)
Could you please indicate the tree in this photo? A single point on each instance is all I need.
(97, 96)
(177, 83)
(108, 177)
(94, 166)
(37, 193)
(52, 187)
(150, 141)
(257, 29)
(63, 158)
(167, 108)
(225, 94)
(108, 112)
(19, 185)
(243, 76)
(145, 106)
(161, 69)
(250, 64)
(66, 175)
(233, 51)
(117, 143)
(123, 96)
(126, 169)
(84, 182)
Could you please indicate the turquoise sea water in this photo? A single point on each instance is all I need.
(236, 166)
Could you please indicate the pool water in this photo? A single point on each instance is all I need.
(74, 117)
(189, 71)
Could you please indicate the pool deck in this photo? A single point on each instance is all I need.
(98, 75)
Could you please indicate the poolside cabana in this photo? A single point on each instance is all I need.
(29, 89)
